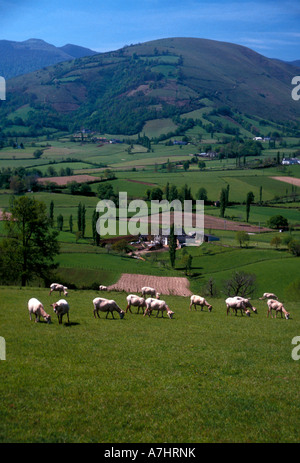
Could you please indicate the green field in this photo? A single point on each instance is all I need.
(200, 377)
(125, 156)
(240, 182)
(258, 214)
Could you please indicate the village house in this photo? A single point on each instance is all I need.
(290, 162)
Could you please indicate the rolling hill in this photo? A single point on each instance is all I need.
(117, 92)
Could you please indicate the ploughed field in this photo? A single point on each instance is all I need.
(129, 282)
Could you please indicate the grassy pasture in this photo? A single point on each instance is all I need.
(23, 162)
(240, 181)
(219, 262)
(258, 240)
(116, 156)
(258, 214)
(16, 154)
(262, 214)
(286, 272)
(63, 165)
(20, 112)
(156, 127)
(78, 261)
(201, 377)
(114, 263)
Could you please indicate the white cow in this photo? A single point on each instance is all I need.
(159, 305)
(102, 288)
(136, 301)
(108, 306)
(198, 300)
(36, 307)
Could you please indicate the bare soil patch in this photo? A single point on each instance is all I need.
(141, 88)
(217, 223)
(66, 179)
(4, 217)
(292, 180)
(133, 283)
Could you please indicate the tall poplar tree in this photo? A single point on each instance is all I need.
(223, 202)
(172, 246)
(79, 217)
(83, 220)
(51, 213)
(96, 236)
(249, 200)
(71, 223)
(30, 245)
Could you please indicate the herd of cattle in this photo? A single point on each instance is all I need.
(153, 302)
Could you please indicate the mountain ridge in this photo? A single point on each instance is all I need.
(17, 58)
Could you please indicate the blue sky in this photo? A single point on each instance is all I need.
(269, 27)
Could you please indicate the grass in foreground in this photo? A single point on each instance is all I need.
(201, 377)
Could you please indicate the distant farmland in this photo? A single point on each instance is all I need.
(62, 181)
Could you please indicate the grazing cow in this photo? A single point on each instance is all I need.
(198, 300)
(102, 288)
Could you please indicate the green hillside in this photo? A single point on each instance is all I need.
(119, 91)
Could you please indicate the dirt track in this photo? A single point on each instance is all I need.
(133, 283)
